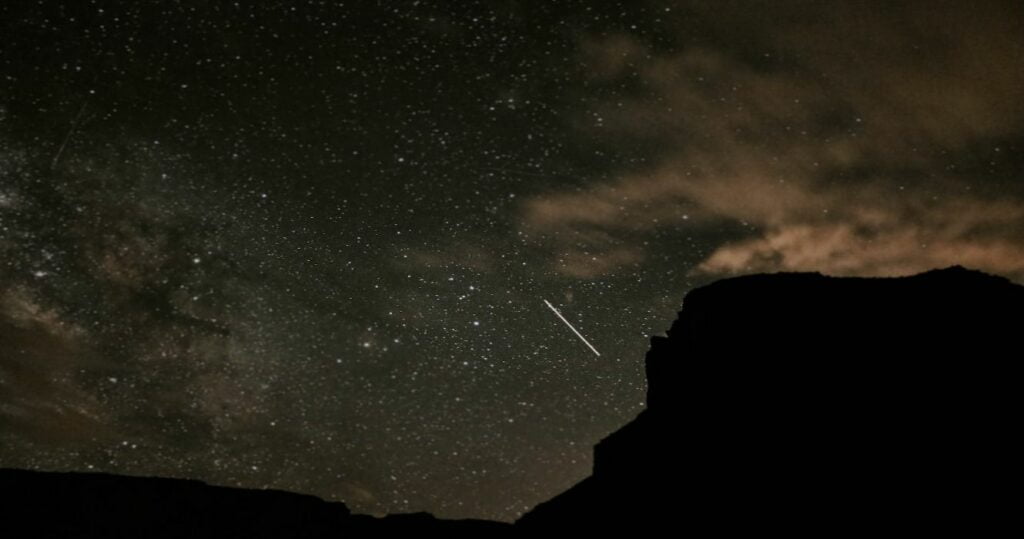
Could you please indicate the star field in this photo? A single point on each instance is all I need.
(305, 245)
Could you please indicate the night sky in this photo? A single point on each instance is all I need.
(306, 245)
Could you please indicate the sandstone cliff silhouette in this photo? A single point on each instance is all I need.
(792, 403)
(803, 404)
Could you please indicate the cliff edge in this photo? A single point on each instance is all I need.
(802, 403)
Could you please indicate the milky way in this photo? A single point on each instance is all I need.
(304, 245)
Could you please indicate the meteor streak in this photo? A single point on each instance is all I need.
(578, 334)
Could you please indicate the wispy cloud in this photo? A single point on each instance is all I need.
(839, 155)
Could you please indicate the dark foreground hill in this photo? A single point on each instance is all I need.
(793, 403)
(43, 504)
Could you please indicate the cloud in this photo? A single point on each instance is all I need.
(586, 265)
(43, 353)
(117, 309)
(970, 233)
(836, 153)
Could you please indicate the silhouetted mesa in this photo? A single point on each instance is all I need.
(803, 403)
(794, 403)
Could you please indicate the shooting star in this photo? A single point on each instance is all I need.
(578, 334)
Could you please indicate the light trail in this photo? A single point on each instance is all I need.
(578, 334)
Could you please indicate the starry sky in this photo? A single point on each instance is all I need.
(306, 245)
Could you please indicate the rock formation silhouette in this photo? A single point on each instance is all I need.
(791, 403)
(805, 404)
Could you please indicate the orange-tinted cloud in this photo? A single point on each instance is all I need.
(830, 133)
